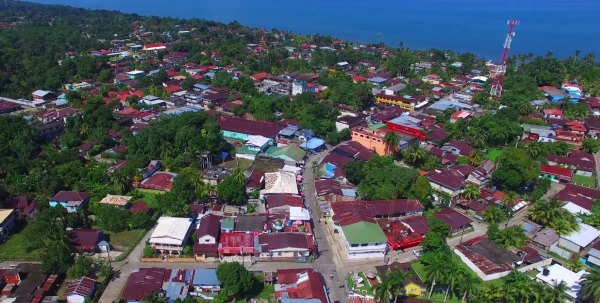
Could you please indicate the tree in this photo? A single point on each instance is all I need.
(415, 156)
(236, 279)
(511, 236)
(557, 293)
(56, 259)
(476, 157)
(154, 298)
(452, 276)
(170, 205)
(82, 267)
(355, 171)
(515, 170)
(231, 191)
(383, 289)
(435, 268)
(397, 279)
(392, 143)
(590, 286)
(239, 176)
(471, 192)
(104, 271)
(138, 220)
(494, 215)
(112, 218)
(591, 145)
(468, 285)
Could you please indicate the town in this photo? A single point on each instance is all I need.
(164, 160)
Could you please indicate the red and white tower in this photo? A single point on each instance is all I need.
(496, 90)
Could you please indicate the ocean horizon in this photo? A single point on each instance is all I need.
(559, 26)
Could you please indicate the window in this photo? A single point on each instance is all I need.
(354, 245)
(206, 240)
(279, 253)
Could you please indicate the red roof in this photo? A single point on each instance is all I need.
(452, 218)
(67, 196)
(359, 79)
(311, 288)
(154, 46)
(234, 242)
(140, 206)
(488, 256)
(209, 226)
(144, 282)
(278, 200)
(557, 171)
(159, 181)
(173, 89)
(172, 73)
(83, 286)
(553, 111)
(85, 239)
(259, 76)
(265, 129)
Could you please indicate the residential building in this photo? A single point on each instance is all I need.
(413, 286)
(350, 121)
(593, 255)
(80, 290)
(579, 240)
(545, 238)
(142, 283)
(450, 181)
(457, 221)
(87, 240)
(240, 129)
(70, 200)
(281, 182)
(171, 235)
(237, 244)
(285, 246)
(556, 273)
(458, 148)
(360, 234)
(290, 154)
(116, 200)
(162, 181)
(302, 285)
(207, 232)
(581, 162)
(332, 190)
(205, 281)
(395, 100)
(298, 87)
(556, 173)
(43, 95)
(7, 222)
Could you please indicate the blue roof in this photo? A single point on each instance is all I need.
(173, 291)
(201, 86)
(313, 143)
(377, 79)
(288, 131)
(528, 227)
(206, 276)
(307, 133)
(329, 170)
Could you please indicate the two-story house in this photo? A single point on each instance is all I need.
(171, 235)
(207, 232)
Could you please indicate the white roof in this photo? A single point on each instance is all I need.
(281, 182)
(135, 72)
(575, 209)
(259, 141)
(292, 169)
(558, 274)
(299, 213)
(171, 230)
(584, 236)
(480, 78)
(343, 63)
(40, 93)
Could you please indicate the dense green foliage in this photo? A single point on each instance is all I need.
(384, 181)
(516, 169)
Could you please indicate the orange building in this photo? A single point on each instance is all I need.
(371, 139)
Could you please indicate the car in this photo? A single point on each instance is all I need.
(418, 253)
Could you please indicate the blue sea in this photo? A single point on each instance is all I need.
(478, 26)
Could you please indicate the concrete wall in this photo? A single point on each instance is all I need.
(560, 251)
(569, 245)
(370, 141)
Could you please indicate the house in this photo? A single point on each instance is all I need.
(142, 283)
(413, 286)
(253, 145)
(43, 95)
(285, 246)
(116, 200)
(240, 129)
(332, 190)
(80, 290)
(159, 181)
(70, 200)
(593, 255)
(205, 281)
(354, 150)
(290, 154)
(300, 285)
(545, 238)
(483, 174)
(170, 235)
(9, 107)
(556, 273)
(458, 148)
(459, 114)
(556, 173)
(579, 240)
(350, 121)
(581, 162)
(313, 145)
(489, 260)
(281, 182)
(154, 47)
(553, 113)
(250, 223)
(552, 93)
(140, 206)
(256, 181)
(360, 234)
(450, 181)
(454, 219)
(236, 244)
(7, 222)
(86, 240)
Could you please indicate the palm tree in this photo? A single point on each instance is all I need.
(512, 236)
(565, 224)
(468, 285)
(494, 215)
(590, 286)
(558, 292)
(84, 130)
(575, 263)
(453, 275)
(104, 271)
(383, 289)
(119, 182)
(478, 139)
(154, 298)
(543, 212)
(416, 155)
(435, 269)
(476, 157)
(396, 279)
(525, 108)
(392, 143)
(471, 192)
(238, 175)
(533, 150)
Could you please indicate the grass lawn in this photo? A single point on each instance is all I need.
(126, 240)
(149, 196)
(585, 181)
(244, 163)
(16, 248)
(493, 154)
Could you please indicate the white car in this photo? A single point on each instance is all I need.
(417, 253)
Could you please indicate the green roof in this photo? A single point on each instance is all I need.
(292, 152)
(377, 126)
(245, 150)
(227, 224)
(363, 232)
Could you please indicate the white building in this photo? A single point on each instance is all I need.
(171, 235)
(362, 240)
(556, 273)
(579, 240)
(298, 87)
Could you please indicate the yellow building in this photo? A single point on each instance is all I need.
(395, 100)
(413, 289)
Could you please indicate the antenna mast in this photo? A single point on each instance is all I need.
(496, 90)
